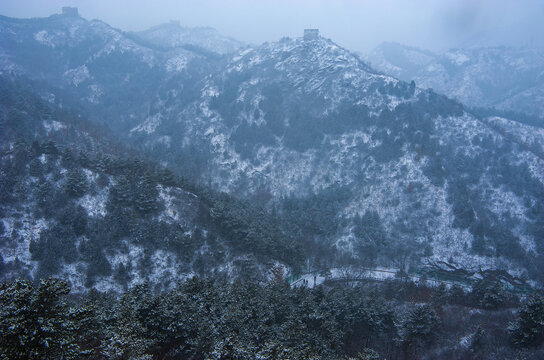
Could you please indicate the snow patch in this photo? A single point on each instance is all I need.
(457, 57)
(165, 140)
(53, 125)
(149, 125)
(43, 37)
(177, 64)
(95, 95)
(78, 75)
(95, 205)
(75, 275)
(169, 210)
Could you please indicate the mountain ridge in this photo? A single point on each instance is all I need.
(305, 127)
(507, 78)
(172, 35)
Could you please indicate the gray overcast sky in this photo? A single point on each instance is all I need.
(358, 25)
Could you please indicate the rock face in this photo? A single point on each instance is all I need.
(365, 165)
(505, 78)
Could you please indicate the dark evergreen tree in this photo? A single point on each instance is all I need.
(488, 294)
(440, 295)
(50, 148)
(167, 177)
(77, 219)
(35, 149)
(419, 330)
(35, 167)
(371, 237)
(528, 329)
(122, 274)
(21, 155)
(83, 159)
(68, 159)
(45, 198)
(121, 193)
(138, 327)
(36, 322)
(478, 339)
(456, 295)
(146, 197)
(76, 183)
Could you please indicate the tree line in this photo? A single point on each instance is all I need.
(204, 318)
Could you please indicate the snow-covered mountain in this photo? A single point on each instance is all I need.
(299, 118)
(366, 167)
(75, 204)
(95, 66)
(173, 35)
(505, 78)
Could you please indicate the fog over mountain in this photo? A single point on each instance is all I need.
(506, 78)
(258, 180)
(357, 25)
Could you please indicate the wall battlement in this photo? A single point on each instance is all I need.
(311, 34)
(70, 11)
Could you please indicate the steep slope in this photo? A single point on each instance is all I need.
(307, 119)
(104, 71)
(70, 208)
(368, 169)
(173, 35)
(502, 77)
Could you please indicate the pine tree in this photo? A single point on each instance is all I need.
(167, 177)
(21, 155)
(440, 295)
(528, 329)
(76, 183)
(68, 160)
(79, 220)
(44, 197)
(138, 325)
(477, 341)
(35, 167)
(36, 323)
(35, 149)
(146, 198)
(83, 159)
(488, 295)
(419, 329)
(120, 192)
(50, 148)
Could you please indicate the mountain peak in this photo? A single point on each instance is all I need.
(311, 34)
(507, 78)
(309, 56)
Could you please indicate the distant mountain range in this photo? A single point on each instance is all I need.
(173, 35)
(505, 78)
(352, 165)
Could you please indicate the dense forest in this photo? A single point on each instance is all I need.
(211, 200)
(211, 318)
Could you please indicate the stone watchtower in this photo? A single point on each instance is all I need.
(311, 34)
(69, 11)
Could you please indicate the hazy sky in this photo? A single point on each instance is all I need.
(358, 25)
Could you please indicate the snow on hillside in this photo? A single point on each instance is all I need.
(501, 77)
(295, 118)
